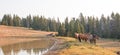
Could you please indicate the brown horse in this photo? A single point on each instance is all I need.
(81, 37)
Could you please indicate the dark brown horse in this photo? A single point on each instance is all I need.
(94, 38)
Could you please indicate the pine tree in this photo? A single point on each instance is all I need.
(82, 21)
(29, 21)
(82, 28)
(24, 22)
(90, 25)
(98, 27)
(103, 26)
(16, 20)
(7, 20)
(116, 25)
(108, 33)
(71, 27)
(52, 25)
(35, 23)
(62, 30)
(78, 26)
(66, 26)
(58, 24)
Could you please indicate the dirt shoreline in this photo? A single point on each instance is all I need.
(66, 48)
(56, 48)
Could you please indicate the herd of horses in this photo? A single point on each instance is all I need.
(86, 37)
(82, 37)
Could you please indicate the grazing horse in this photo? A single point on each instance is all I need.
(94, 38)
(81, 37)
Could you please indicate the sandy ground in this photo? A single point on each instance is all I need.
(9, 35)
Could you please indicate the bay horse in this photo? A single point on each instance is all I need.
(81, 37)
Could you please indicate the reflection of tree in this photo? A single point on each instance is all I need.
(7, 50)
(16, 48)
(36, 51)
(44, 51)
(38, 47)
(29, 51)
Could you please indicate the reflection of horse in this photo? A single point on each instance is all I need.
(87, 36)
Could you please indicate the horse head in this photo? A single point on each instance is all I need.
(76, 35)
(96, 36)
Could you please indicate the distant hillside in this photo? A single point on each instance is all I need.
(6, 31)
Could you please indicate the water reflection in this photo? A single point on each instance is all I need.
(37, 47)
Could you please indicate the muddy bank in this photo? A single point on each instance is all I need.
(56, 47)
(61, 43)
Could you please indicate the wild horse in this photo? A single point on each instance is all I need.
(94, 38)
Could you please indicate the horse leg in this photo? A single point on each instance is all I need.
(90, 41)
(79, 39)
(95, 42)
(85, 40)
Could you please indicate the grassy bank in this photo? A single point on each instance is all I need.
(71, 46)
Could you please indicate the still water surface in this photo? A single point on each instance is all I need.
(36, 47)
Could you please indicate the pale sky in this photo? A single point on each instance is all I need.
(59, 8)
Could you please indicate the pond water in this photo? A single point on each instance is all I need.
(36, 47)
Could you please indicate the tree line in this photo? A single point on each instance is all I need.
(106, 27)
